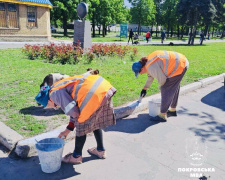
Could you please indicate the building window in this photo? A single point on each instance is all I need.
(8, 15)
(2, 15)
(31, 16)
(12, 16)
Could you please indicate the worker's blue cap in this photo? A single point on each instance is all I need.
(136, 67)
(43, 96)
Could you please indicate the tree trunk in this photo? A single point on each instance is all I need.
(93, 26)
(178, 31)
(171, 34)
(99, 29)
(65, 26)
(213, 31)
(206, 29)
(157, 29)
(109, 29)
(139, 28)
(152, 30)
(182, 32)
(103, 30)
(168, 29)
(190, 36)
(193, 36)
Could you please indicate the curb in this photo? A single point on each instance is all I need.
(26, 147)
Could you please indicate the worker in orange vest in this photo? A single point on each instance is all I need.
(168, 68)
(87, 99)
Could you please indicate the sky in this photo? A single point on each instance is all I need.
(127, 3)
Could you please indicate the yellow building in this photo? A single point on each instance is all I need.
(25, 20)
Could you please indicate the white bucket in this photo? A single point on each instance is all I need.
(50, 154)
(154, 107)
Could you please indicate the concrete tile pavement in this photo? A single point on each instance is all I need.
(138, 148)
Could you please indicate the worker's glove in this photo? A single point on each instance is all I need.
(143, 93)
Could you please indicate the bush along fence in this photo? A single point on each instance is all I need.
(70, 54)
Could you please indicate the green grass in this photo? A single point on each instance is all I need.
(112, 37)
(20, 79)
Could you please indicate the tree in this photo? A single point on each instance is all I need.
(158, 14)
(92, 14)
(194, 12)
(168, 11)
(142, 12)
(64, 10)
(220, 14)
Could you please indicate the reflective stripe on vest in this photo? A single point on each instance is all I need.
(91, 92)
(173, 62)
(90, 95)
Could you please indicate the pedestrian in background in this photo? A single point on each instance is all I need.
(208, 35)
(148, 36)
(168, 68)
(131, 34)
(87, 99)
(163, 35)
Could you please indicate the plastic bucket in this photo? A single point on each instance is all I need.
(50, 154)
(154, 107)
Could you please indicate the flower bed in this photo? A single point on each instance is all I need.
(70, 54)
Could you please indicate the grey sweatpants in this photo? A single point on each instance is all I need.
(170, 92)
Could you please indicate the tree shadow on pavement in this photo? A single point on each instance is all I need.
(40, 111)
(208, 126)
(215, 99)
(31, 169)
(213, 129)
(132, 125)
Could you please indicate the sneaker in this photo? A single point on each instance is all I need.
(94, 151)
(158, 119)
(70, 159)
(171, 113)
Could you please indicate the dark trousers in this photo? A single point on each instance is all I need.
(170, 92)
(130, 38)
(80, 140)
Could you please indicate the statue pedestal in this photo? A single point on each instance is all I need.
(82, 33)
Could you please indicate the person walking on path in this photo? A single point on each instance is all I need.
(131, 34)
(87, 99)
(148, 36)
(163, 35)
(168, 68)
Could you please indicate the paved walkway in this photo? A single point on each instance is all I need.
(6, 45)
(139, 149)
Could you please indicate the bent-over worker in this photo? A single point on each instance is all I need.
(168, 68)
(87, 99)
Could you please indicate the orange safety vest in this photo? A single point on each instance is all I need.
(174, 63)
(88, 92)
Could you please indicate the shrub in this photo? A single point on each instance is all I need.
(32, 51)
(133, 54)
(90, 57)
(72, 54)
(48, 52)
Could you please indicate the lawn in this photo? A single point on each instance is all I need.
(110, 37)
(20, 79)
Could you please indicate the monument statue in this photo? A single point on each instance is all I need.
(82, 28)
